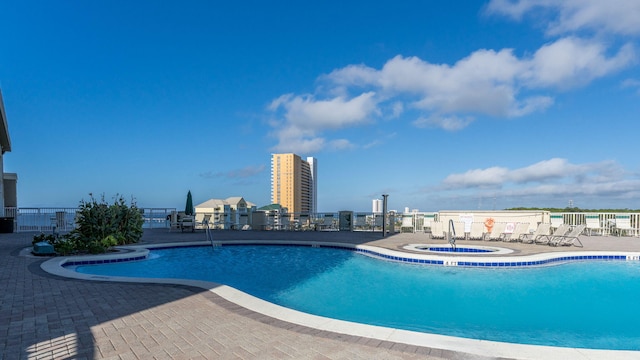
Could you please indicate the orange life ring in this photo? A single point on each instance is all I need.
(488, 224)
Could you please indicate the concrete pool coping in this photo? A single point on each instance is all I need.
(456, 344)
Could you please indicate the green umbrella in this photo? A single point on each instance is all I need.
(188, 209)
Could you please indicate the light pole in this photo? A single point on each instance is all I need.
(384, 214)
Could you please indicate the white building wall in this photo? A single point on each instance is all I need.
(533, 217)
(313, 165)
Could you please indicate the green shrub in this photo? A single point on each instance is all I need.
(101, 224)
(99, 227)
(62, 244)
(65, 245)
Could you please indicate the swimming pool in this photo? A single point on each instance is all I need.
(581, 304)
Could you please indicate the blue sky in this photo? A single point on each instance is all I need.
(441, 104)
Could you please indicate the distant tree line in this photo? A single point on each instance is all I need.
(575, 209)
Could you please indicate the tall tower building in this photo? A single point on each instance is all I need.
(376, 206)
(313, 168)
(294, 183)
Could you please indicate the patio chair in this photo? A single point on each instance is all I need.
(477, 231)
(570, 238)
(458, 226)
(518, 230)
(174, 224)
(508, 229)
(496, 232)
(360, 222)
(623, 226)
(206, 219)
(407, 223)
(542, 230)
(428, 219)
(556, 221)
(561, 230)
(187, 222)
(593, 224)
(437, 231)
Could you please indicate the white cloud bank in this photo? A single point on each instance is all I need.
(610, 16)
(549, 178)
(486, 83)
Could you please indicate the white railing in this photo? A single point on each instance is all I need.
(609, 222)
(64, 219)
(156, 217)
(42, 219)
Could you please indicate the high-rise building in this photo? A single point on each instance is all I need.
(313, 167)
(294, 183)
(376, 206)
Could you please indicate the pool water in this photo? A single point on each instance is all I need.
(582, 304)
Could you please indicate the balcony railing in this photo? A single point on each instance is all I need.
(64, 219)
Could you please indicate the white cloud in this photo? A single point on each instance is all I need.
(299, 145)
(340, 144)
(307, 117)
(309, 113)
(556, 170)
(372, 144)
(544, 170)
(570, 62)
(547, 182)
(449, 123)
(633, 84)
(488, 82)
(530, 105)
(397, 109)
(493, 176)
(610, 16)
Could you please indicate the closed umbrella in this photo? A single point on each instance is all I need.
(188, 209)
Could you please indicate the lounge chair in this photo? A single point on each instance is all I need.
(593, 224)
(518, 230)
(360, 222)
(556, 221)
(623, 226)
(542, 230)
(407, 223)
(561, 230)
(497, 232)
(187, 222)
(508, 229)
(174, 224)
(477, 231)
(204, 223)
(459, 230)
(436, 230)
(378, 219)
(426, 224)
(570, 238)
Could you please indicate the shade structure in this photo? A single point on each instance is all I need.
(188, 209)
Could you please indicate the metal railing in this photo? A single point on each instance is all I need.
(606, 220)
(64, 219)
